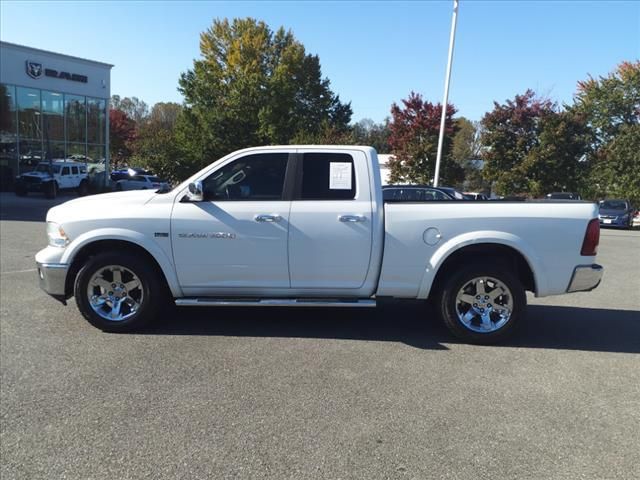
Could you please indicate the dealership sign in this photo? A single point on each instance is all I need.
(35, 70)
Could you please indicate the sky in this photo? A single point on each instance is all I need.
(374, 53)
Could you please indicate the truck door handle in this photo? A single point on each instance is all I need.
(351, 218)
(267, 218)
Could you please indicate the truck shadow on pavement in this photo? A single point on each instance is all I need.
(554, 327)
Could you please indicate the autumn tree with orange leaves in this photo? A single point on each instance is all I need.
(414, 142)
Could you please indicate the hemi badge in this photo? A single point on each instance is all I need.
(161, 234)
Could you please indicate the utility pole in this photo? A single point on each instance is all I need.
(452, 40)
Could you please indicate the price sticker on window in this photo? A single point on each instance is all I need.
(340, 176)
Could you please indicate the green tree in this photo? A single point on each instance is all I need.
(610, 102)
(556, 162)
(466, 152)
(156, 147)
(414, 142)
(611, 107)
(135, 109)
(615, 172)
(253, 87)
(509, 132)
(367, 132)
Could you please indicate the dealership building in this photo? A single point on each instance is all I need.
(52, 106)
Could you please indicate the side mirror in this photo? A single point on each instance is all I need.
(195, 192)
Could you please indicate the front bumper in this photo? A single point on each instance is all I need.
(585, 278)
(53, 277)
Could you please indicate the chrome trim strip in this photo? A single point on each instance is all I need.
(272, 302)
(585, 278)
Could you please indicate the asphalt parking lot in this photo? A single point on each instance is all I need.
(310, 394)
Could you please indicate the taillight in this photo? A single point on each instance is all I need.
(591, 239)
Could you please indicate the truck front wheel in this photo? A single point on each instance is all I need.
(482, 303)
(117, 292)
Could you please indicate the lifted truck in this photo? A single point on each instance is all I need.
(307, 226)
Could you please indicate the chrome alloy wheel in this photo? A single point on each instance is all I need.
(115, 293)
(484, 304)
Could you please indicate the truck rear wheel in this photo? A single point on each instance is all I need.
(117, 292)
(482, 303)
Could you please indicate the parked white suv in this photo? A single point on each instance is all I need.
(51, 178)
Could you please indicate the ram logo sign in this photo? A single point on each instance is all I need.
(34, 70)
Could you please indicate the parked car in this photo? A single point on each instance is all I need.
(51, 178)
(412, 193)
(475, 196)
(616, 213)
(125, 173)
(141, 182)
(563, 196)
(452, 192)
(307, 226)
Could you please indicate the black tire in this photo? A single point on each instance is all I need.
(21, 191)
(83, 188)
(152, 291)
(51, 190)
(118, 187)
(447, 305)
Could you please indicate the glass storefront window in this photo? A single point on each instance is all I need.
(77, 151)
(96, 120)
(53, 116)
(8, 136)
(8, 125)
(76, 114)
(30, 154)
(38, 124)
(29, 117)
(56, 149)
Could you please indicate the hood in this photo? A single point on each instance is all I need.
(99, 206)
(36, 174)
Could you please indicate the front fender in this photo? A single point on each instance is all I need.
(126, 235)
(483, 237)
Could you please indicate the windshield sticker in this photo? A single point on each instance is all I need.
(340, 176)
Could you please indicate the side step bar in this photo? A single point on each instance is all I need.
(273, 302)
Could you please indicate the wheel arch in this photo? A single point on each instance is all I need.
(78, 257)
(506, 249)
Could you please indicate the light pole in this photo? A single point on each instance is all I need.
(452, 40)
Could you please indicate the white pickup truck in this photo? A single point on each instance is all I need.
(307, 226)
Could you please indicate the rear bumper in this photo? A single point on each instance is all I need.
(53, 277)
(585, 278)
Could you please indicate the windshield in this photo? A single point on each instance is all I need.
(613, 205)
(44, 167)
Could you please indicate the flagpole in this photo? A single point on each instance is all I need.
(452, 40)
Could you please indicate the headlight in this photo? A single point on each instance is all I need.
(56, 235)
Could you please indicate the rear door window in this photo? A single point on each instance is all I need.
(327, 176)
(65, 171)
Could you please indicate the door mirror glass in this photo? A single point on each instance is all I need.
(195, 192)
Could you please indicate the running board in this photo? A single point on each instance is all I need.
(273, 302)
